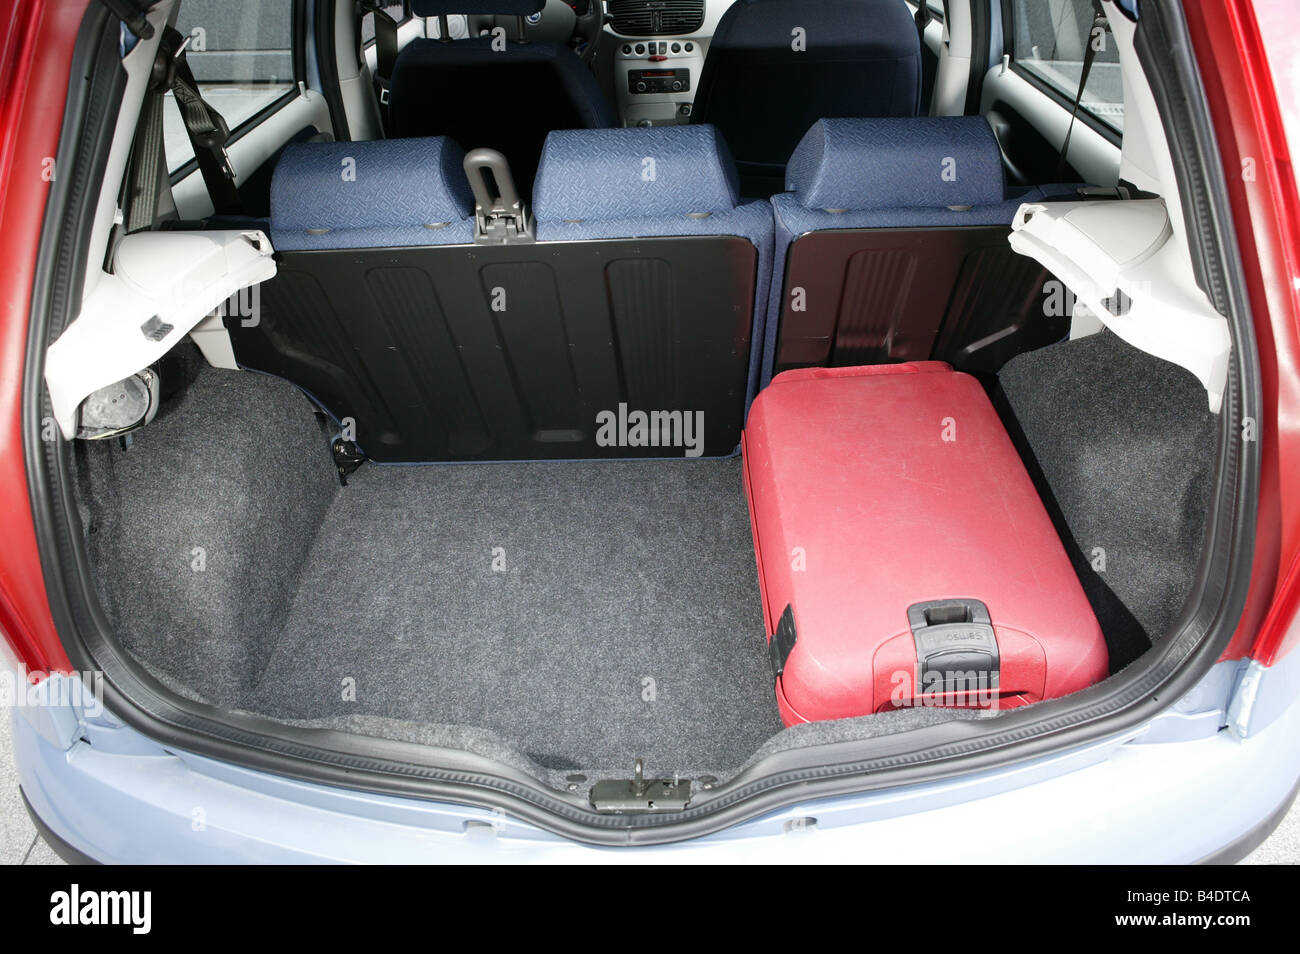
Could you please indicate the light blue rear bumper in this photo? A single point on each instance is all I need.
(1179, 790)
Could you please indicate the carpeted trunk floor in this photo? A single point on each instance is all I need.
(590, 613)
(1122, 447)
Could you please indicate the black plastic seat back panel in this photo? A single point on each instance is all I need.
(510, 352)
(876, 296)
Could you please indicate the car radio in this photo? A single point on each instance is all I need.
(658, 81)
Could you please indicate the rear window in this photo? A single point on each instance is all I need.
(1050, 39)
(241, 52)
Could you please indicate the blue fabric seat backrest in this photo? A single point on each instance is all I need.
(909, 217)
(661, 181)
(389, 193)
(484, 95)
(774, 67)
(927, 171)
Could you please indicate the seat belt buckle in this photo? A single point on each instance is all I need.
(214, 143)
(383, 95)
(227, 167)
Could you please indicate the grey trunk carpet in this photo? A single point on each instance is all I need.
(1122, 447)
(589, 613)
(584, 614)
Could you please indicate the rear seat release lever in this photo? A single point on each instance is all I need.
(500, 217)
(956, 647)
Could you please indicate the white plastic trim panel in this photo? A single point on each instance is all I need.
(214, 342)
(950, 40)
(1099, 248)
(1146, 161)
(162, 285)
(138, 65)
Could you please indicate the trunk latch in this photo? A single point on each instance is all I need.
(640, 795)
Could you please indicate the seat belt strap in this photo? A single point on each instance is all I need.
(386, 49)
(147, 162)
(206, 128)
(1089, 55)
(385, 54)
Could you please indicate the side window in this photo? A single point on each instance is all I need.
(1051, 38)
(398, 11)
(241, 53)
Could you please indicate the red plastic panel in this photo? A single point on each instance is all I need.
(872, 489)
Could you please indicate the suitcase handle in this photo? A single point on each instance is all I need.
(943, 612)
(955, 646)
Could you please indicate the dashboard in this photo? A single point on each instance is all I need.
(659, 49)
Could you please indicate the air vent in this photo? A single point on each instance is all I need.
(656, 17)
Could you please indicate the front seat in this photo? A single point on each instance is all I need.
(775, 67)
(508, 100)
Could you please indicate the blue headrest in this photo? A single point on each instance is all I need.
(400, 191)
(591, 174)
(436, 8)
(922, 162)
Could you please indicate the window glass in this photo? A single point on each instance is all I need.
(1049, 40)
(241, 52)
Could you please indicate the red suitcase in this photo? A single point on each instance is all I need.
(903, 553)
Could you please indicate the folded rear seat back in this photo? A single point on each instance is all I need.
(394, 193)
(659, 182)
(904, 556)
(639, 298)
(892, 242)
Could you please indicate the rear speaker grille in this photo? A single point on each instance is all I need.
(656, 17)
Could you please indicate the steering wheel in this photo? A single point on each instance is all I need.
(589, 16)
(572, 23)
